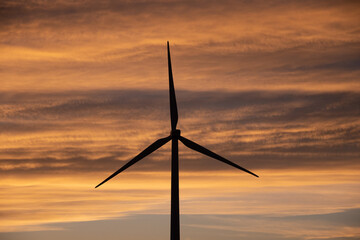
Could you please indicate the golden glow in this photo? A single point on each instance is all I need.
(53, 198)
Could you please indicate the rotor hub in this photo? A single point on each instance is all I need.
(175, 133)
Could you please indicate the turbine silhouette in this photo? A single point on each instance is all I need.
(174, 136)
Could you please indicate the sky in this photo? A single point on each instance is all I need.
(274, 86)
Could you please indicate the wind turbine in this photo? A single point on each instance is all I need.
(174, 137)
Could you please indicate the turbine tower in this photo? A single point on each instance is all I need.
(174, 137)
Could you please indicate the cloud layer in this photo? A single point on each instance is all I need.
(265, 130)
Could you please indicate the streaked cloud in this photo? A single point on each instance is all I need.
(265, 129)
(260, 45)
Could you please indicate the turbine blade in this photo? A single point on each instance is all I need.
(173, 106)
(200, 149)
(157, 144)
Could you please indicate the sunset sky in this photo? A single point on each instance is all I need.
(273, 86)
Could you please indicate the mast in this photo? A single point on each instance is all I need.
(175, 219)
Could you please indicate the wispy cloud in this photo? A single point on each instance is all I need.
(266, 129)
(260, 45)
